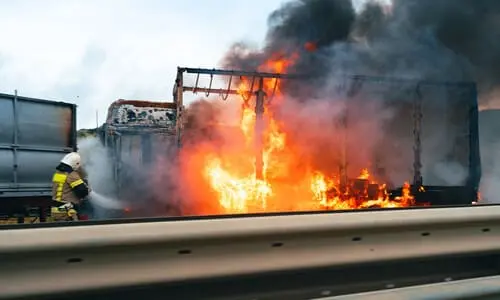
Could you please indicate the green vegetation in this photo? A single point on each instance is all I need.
(83, 133)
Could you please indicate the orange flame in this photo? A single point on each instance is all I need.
(364, 174)
(310, 46)
(287, 183)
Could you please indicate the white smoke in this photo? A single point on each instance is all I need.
(489, 128)
(98, 167)
(96, 163)
(490, 179)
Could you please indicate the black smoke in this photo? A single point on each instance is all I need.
(296, 23)
(446, 40)
(468, 28)
(321, 22)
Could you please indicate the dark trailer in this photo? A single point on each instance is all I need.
(428, 136)
(34, 135)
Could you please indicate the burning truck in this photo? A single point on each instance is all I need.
(426, 150)
(423, 149)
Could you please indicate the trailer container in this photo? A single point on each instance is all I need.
(425, 132)
(407, 129)
(139, 135)
(34, 135)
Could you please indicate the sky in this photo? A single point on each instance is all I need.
(93, 52)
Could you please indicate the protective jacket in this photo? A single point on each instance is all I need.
(68, 186)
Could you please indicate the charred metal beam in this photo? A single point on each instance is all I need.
(208, 90)
(238, 73)
(259, 130)
(406, 80)
(179, 101)
(417, 140)
(304, 76)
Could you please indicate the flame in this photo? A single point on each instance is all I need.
(364, 174)
(287, 182)
(360, 194)
(238, 194)
(310, 46)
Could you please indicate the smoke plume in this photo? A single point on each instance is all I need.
(98, 168)
(449, 40)
(96, 164)
(490, 152)
(442, 40)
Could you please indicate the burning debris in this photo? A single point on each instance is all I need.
(358, 193)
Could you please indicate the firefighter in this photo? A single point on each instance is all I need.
(68, 187)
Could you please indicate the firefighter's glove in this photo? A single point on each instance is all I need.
(66, 206)
(72, 213)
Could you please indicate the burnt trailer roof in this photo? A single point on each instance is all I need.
(141, 115)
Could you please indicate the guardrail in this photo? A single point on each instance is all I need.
(477, 288)
(44, 261)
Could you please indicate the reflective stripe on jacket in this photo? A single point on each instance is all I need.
(68, 187)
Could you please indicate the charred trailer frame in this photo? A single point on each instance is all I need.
(256, 89)
(130, 135)
(421, 109)
(434, 125)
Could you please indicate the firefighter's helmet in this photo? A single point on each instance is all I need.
(72, 159)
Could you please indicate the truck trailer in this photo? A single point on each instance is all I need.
(34, 135)
(430, 134)
(431, 137)
(138, 136)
